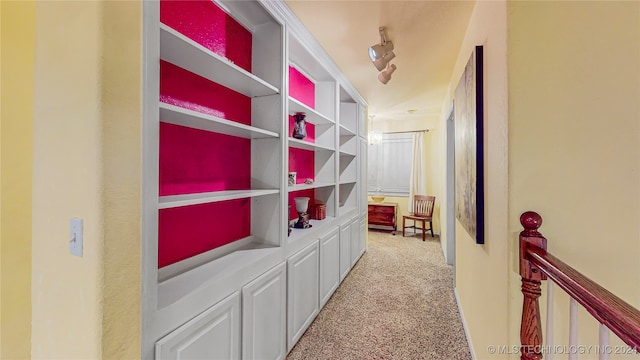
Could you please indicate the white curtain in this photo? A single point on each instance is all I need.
(417, 181)
(390, 165)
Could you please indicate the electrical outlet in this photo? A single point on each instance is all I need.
(75, 237)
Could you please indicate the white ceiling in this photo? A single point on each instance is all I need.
(426, 35)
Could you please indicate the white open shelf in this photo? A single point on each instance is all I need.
(348, 168)
(346, 132)
(189, 55)
(315, 224)
(348, 195)
(173, 201)
(312, 117)
(305, 145)
(347, 153)
(184, 117)
(185, 277)
(345, 209)
(315, 185)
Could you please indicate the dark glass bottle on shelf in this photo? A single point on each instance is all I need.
(300, 127)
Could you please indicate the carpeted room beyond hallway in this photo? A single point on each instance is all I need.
(397, 303)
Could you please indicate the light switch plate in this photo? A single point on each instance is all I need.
(75, 237)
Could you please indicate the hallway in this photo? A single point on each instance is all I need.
(397, 303)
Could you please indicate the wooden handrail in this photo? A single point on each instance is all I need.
(537, 264)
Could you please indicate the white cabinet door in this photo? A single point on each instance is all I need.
(303, 295)
(264, 316)
(329, 265)
(363, 234)
(355, 240)
(214, 334)
(345, 249)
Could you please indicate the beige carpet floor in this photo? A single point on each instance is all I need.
(397, 303)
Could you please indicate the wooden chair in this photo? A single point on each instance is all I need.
(422, 211)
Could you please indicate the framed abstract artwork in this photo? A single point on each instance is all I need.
(469, 154)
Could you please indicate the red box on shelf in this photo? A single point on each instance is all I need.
(318, 211)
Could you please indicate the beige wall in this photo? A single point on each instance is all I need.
(573, 146)
(18, 34)
(481, 270)
(86, 163)
(67, 290)
(574, 141)
(122, 177)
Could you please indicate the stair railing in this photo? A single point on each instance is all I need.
(536, 265)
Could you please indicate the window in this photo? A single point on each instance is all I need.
(390, 165)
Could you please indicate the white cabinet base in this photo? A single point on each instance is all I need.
(214, 334)
(264, 316)
(363, 233)
(329, 265)
(303, 295)
(345, 249)
(355, 241)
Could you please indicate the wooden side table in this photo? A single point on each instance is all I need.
(383, 216)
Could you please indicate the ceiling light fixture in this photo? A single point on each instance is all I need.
(375, 137)
(381, 63)
(385, 76)
(381, 54)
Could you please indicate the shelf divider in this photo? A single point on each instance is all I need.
(189, 55)
(305, 145)
(315, 185)
(185, 117)
(173, 201)
(344, 131)
(313, 116)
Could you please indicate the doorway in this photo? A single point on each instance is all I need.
(450, 255)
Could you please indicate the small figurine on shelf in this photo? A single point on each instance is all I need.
(308, 181)
(300, 127)
(302, 205)
(292, 178)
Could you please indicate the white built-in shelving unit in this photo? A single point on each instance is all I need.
(213, 303)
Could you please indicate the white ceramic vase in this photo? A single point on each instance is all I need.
(302, 204)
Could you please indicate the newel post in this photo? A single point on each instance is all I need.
(530, 325)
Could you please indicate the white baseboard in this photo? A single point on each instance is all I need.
(464, 325)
